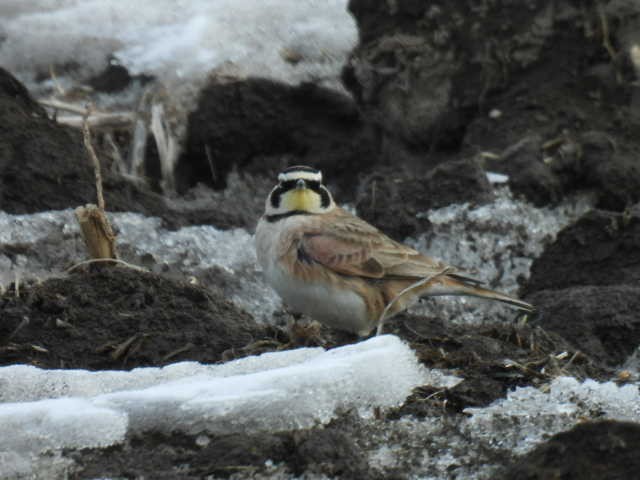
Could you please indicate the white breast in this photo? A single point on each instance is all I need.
(337, 308)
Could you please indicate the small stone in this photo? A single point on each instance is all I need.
(203, 441)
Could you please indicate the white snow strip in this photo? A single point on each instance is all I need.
(25, 383)
(276, 391)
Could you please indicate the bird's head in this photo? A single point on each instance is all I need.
(299, 191)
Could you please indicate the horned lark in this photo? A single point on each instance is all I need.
(338, 269)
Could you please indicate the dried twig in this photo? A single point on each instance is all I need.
(166, 144)
(86, 136)
(99, 120)
(606, 41)
(23, 323)
(419, 283)
(178, 351)
(80, 117)
(207, 152)
(54, 79)
(17, 285)
(95, 227)
(105, 260)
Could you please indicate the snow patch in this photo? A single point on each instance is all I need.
(54, 244)
(528, 414)
(495, 243)
(275, 391)
(288, 40)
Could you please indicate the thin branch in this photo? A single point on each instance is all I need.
(86, 135)
(105, 260)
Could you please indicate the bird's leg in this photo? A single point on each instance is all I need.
(302, 332)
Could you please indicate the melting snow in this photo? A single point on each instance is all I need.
(275, 391)
(288, 40)
(527, 415)
(495, 243)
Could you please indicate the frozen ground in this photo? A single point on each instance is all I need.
(179, 40)
(50, 410)
(465, 236)
(445, 447)
(46, 407)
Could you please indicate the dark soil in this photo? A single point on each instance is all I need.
(479, 355)
(601, 321)
(44, 166)
(329, 450)
(261, 126)
(428, 74)
(602, 248)
(586, 285)
(392, 198)
(119, 318)
(605, 450)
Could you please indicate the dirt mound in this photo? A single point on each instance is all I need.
(119, 318)
(261, 126)
(601, 321)
(330, 450)
(44, 166)
(479, 355)
(392, 198)
(544, 93)
(585, 285)
(602, 248)
(605, 450)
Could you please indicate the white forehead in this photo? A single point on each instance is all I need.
(300, 174)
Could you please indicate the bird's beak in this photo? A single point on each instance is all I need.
(300, 184)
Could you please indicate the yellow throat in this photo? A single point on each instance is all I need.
(301, 199)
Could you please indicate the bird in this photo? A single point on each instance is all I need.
(330, 265)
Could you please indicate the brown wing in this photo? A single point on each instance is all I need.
(351, 246)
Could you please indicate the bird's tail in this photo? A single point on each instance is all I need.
(452, 284)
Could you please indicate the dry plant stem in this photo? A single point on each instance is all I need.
(17, 285)
(54, 78)
(122, 120)
(96, 232)
(23, 323)
(95, 227)
(86, 136)
(60, 105)
(606, 41)
(166, 144)
(106, 260)
(79, 117)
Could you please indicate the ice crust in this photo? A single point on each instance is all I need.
(527, 415)
(443, 447)
(495, 243)
(180, 38)
(55, 244)
(275, 391)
